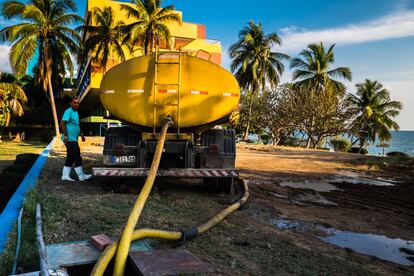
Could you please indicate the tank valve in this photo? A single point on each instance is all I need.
(169, 121)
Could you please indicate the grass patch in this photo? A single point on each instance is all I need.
(9, 150)
(28, 259)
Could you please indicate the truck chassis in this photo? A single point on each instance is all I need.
(211, 156)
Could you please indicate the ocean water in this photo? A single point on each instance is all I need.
(402, 141)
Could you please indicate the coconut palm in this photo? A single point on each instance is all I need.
(255, 63)
(150, 25)
(375, 111)
(44, 28)
(12, 98)
(105, 40)
(312, 69)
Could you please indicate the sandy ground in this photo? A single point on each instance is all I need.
(308, 185)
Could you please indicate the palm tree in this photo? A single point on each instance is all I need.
(12, 98)
(104, 39)
(375, 111)
(150, 25)
(44, 28)
(255, 64)
(313, 71)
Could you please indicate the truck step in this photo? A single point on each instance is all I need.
(179, 173)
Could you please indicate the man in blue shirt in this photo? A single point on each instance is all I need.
(70, 135)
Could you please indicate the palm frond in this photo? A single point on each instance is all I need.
(12, 9)
(68, 19)
(21, 53)
(341, 72)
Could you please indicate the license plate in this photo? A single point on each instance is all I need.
(123, 159)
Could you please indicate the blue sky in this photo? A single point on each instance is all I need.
(375, 38)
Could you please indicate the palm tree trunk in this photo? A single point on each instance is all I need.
(53, 106)
(249, 117)
(50, 88)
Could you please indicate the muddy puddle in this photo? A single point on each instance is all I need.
(327, 185)
(394, 250)
(317, 186)
(354, 178)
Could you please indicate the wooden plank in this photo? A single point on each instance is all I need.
(168, 262)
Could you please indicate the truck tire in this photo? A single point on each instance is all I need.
(218, 185)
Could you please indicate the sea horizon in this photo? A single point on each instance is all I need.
(402, 141)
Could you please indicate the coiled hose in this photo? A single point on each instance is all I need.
(121, 247)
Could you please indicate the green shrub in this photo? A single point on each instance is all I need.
(340, 144)
(356, 150)
(265, 137)
(397, 154)
(291, 142)
(26, 158)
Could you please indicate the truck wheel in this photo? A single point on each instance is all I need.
(210, 185)
(218, 185)
(226, 185)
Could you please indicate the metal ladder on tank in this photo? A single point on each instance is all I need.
(176, 84)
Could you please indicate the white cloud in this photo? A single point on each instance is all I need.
(4, 58)
(396, 25)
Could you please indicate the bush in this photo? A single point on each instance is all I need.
(398, 154)
(291, 142)
(26, 158)
(340, 144)
(356, 150)
(265, 137)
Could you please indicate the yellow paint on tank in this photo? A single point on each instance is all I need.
(207, 91)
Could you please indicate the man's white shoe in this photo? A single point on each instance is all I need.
(66, 174)
(81, 175)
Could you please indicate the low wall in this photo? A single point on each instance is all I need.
(10, 213)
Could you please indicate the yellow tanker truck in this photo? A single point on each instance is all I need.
(195, 94)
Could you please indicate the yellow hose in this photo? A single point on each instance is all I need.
(109, 252)
(124, 243)
(220, 216)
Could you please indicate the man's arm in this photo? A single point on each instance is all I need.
(63, 128)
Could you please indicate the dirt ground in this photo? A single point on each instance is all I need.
(287, 183)
(383, 210)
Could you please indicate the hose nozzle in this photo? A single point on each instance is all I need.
(169, 121)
